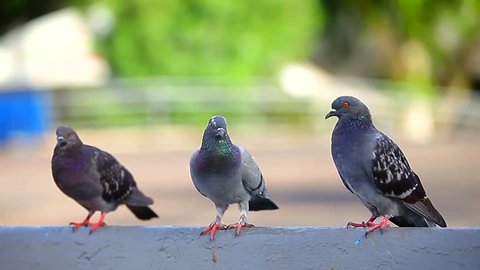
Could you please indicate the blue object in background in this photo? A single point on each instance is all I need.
(25, 112)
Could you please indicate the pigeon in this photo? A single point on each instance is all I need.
(373, 168)
(227, 174)
(95, 179)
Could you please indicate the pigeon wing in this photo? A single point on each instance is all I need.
(193, 171)
(252, 178)
(392, 173)
(117, 182)
(394, 178)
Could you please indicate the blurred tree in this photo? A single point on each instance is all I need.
(425, 42)
(208, 37)
(428, 42)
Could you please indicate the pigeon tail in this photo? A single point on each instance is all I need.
(142, 212)
(412, 220)
(426, 209)
(137, 198)
(258, 203)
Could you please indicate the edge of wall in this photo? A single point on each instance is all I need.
(173, 247)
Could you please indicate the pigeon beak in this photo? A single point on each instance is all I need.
(330, 114)
(61, 141)
(220, 132)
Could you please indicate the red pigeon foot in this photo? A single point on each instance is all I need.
(96, 225)
(382, 225)
(85, 222)
(364, 224)
(238, 227)
(213, 228)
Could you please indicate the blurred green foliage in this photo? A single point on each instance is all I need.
(427, 43)
(231, 44)
(236, 39)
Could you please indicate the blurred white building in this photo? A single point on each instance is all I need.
(55, 50)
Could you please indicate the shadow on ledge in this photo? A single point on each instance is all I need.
(167, 247)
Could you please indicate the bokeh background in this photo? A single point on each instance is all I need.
(140, 79)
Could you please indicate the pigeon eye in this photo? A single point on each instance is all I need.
(346, 104)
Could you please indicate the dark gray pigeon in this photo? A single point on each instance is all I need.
(374, 168)
(228, 174)
(95, 179)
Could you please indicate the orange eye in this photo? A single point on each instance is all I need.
(346, 104)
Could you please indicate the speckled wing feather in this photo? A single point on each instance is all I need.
(394, 178)
(117, 181)
(392, 173)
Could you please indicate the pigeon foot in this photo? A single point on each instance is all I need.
(239, 226)
(96, 225)
(364, 224)
(213, 228)
(76, 226)
(85, 222)
(382, 225)
(368, 224)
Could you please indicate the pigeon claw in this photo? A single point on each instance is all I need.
(213, 228)
(382, 225)
(84, 223)
(76, 226)
(364, 224)
(239, 226)
(95, 226)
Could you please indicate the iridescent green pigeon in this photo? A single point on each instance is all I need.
(228, 174)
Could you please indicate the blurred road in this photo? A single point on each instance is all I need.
(300, 176)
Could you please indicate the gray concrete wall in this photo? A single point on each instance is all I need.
(115, 247)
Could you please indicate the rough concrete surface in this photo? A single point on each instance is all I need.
(167, 247)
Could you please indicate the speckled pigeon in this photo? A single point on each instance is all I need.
(228, 174)
(374, 169)
(95, 179)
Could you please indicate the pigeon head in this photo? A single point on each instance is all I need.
(67, 137)
(217, 128)
(216, 135)
(347, 107)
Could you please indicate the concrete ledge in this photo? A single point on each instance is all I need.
(116, 247)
